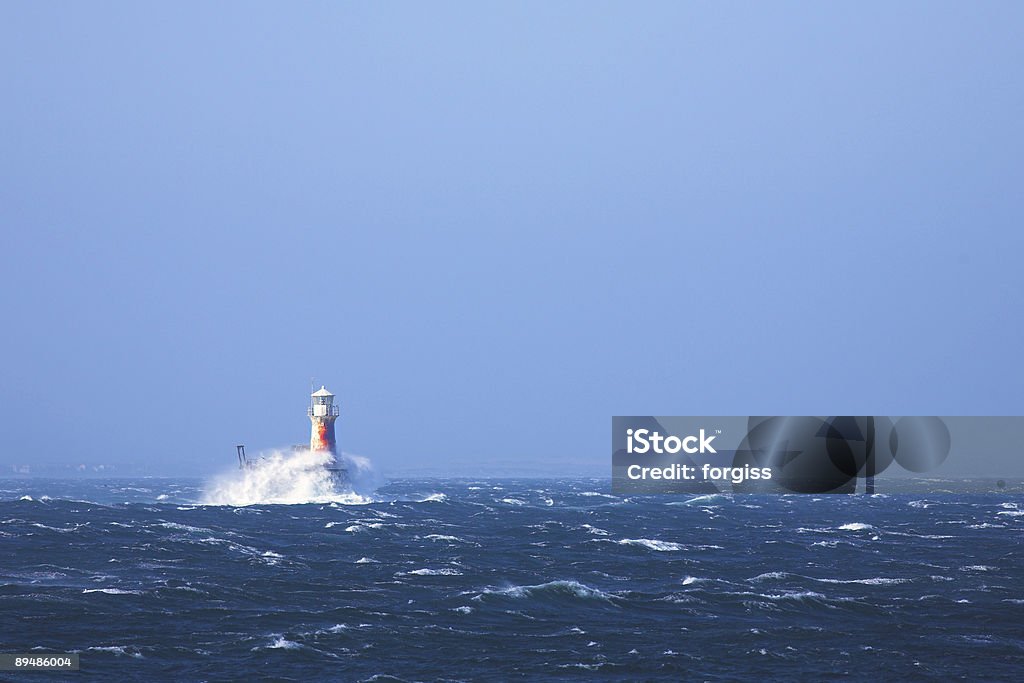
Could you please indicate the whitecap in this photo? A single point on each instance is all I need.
(796, 595)
(119, 650)
(62, 530)
(876, 581)
(653, 544)
(571, 588)
(706, 498)
(434, 498)
(432, 572)
(281, 643)
(184, 527)
(855, 526)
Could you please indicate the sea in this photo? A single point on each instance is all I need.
(510, 579)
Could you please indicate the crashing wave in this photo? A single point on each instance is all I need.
(770, 575)
(653, 544)
(573, 589)
(433, 498)
(291, 479)
(432, 572)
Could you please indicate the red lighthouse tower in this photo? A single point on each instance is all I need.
(323, 413)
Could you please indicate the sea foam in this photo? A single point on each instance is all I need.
(289, 479)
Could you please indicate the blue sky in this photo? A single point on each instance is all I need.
(489, 228)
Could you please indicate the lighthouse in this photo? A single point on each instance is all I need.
(322, 413)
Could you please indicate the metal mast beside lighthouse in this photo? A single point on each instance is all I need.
(322, 414)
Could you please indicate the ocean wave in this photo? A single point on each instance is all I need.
(267, 557)
(359, 527)
(62, 530)
(119, 650)
(443, 537)
(284, 479)
(770, 575)
(431, 572)
(876, 581)
(433, 498)
(112, 591)
(653, 544)
(799, 596)
(705, 499)
(855, 526)
(185, 527)
(279, 643)
(563, 588)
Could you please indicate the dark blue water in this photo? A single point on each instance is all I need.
(531, 580)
